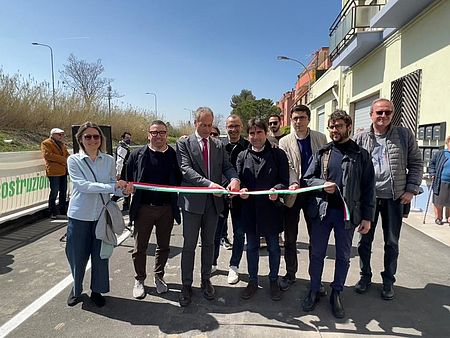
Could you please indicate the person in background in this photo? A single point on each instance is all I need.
(93, 175)
(203, 161)
(55, 156)
(261, 167)
(398, 166)
(123, 151)
(346, 171)
(439, 171)
(275, 128)
(154, 163)
(299, 147)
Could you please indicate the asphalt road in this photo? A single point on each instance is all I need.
(32, 262)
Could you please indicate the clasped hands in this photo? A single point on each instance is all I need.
(126, 187)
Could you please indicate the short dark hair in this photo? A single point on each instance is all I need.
(217, 129)
(124, 134)
(158, 123)
(275, 115)
(83, 128)
(257, 122)
(340, 115)
(301, 108)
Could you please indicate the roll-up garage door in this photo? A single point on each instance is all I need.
(321, 119)
(362, 119)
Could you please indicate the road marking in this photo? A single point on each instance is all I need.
(26, 313)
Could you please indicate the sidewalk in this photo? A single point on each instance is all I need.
(440, 233)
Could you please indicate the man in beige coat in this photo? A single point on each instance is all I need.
(299, 147)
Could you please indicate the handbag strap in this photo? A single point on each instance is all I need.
(95, 178)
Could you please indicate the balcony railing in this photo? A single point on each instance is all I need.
(352, 19)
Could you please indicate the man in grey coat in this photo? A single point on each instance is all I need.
(398, 168)
(203, 160)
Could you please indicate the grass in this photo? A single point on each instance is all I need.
(27, 115)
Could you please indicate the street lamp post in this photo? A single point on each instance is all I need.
(53, 74)
(190, 114)
(156, 103)
(285, 58)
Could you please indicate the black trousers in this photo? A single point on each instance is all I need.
(391, 213)
(292, 217)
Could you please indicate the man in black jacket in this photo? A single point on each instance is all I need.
(347, 172)
(154, 163)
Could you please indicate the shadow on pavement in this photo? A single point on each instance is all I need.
(414, 312)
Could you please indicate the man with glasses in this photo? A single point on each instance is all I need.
(154, 163)
(275, 128)
(234, 144)
(203, 162)
(345, 169)
(299, 148)
(398, 168)
(55, 156)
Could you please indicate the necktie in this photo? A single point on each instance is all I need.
(205, 154)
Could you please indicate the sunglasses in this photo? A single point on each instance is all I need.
(89, 137)
(336, 126)
(214, 134)
(156, 133)
(273, 123)
(385, 112)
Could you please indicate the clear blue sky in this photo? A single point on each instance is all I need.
(189, 52)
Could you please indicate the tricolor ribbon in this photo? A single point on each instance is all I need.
(208, 190)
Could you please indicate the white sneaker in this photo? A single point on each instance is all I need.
(213, 268)
(161, 286)
(138, 289)
(233, 275)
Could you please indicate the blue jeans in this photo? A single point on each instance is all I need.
(82, 244)
(320, 234)
(58, 184)
(220, 230)
(238, 237)
(273, 247)
(391, 220)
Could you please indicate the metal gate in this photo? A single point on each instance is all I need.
(405, 93)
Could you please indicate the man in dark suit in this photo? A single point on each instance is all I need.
(203, 160)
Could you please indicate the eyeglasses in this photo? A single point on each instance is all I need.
(385, 112)
(89, 137)
(234, 126)
(336, 126)
(156, 133)
(273, 123)
(214, 134)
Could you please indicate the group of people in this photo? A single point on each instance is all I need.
(374, 174)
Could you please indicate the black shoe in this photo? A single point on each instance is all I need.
(310, 301)
(208, 290)
(336, 304)
(322, 290)
(185, 296)
(249, 290)
(275, 292)
(388, 292)
(72, 300)
(286, 281)
(438, 221)
(98, 299)
(363, 285)
(225, 242)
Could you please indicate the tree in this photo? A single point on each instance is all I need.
(85, 79)
(249, 108)
(245, 95)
